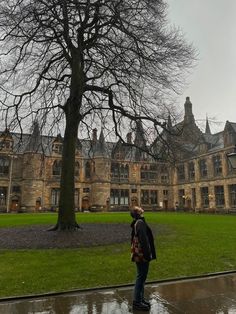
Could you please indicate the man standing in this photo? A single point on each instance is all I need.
(142, 238)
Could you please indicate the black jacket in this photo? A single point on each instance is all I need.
(145, 236)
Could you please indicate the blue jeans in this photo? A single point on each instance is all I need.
(142, 271)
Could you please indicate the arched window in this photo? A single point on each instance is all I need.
(124, 171)
(149, 172)
(119, 171)
(56, 168)
(4, 166)
(164, 174)
(77, 169)
(217, 165)
(87, 170)
(114, 170)
(191, 171)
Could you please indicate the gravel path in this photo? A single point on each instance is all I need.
(38, 236)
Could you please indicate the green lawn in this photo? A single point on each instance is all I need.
(187, 244)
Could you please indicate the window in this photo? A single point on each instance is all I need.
(124, 171)
(149, 197)
(217, 165)
(114, 170)
(205, 197)
(164, 178)
(87, 170)
(77, 169)
(56, 169)
(5, 144)
(4, 166)
(164, 174)
(76, 198)
(165, 193)
(191, 171)
(57, 148)
(232, 195)
(16, 189)
(119, 197)
(149, 172)
(55, 195)
(119, 171)
(181, 198)
(153, 197)
(145, 197)
(181, 173)
(203, 168)
(219, 195)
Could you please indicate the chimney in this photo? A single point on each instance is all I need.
(94, 135)
(129, 138)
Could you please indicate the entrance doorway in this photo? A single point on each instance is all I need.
(85, 203)
(165, 204)
(15, 204)
(38, 205)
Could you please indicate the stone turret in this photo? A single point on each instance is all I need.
(100, 188)
(129, 138)
(139, 141)
(100, 147)
(188, 115)
(33, 165)
(139, 135)
(94, 137)
(34, 144)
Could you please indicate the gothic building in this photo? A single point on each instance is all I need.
(112, 176)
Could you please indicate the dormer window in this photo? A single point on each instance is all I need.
(57, 148)
(4, 144)
(57, 144)
(6, 141)
(88, 170)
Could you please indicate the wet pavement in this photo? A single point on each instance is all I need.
(202, 295)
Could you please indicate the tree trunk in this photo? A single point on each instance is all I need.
(66, 215)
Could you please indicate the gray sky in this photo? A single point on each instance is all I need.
(211, 26)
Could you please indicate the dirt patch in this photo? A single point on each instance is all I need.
(38, 236)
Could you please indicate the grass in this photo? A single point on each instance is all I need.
(187, 244)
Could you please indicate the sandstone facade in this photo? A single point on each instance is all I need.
(106, 179)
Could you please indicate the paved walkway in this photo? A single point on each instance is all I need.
(212, 294)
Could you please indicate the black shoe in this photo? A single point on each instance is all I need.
(146, 302)
(140, 306)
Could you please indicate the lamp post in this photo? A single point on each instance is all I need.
(2, 199)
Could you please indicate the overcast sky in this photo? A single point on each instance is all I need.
(211, 26)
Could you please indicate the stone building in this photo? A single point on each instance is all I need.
(112, 176)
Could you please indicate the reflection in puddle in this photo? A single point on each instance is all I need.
(208, 295)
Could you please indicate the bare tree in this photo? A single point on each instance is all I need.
(87, 59)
